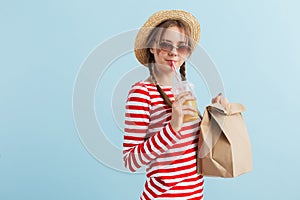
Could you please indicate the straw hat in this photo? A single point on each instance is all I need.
(140, 48)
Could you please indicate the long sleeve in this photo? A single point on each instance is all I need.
(136, 150)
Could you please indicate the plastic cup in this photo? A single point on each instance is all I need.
(185, 86)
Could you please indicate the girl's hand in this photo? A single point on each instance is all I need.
(179, 110)
(221, 100)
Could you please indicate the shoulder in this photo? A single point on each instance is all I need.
(144, 87)
(140, 89)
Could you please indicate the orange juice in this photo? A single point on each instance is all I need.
(188, 118)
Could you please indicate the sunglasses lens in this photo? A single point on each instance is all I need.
(166, 46)
(183, 49)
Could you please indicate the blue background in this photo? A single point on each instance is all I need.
(255, 45)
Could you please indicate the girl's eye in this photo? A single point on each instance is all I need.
(166, 46)
(184, 48)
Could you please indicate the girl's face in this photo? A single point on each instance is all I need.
(172, 47)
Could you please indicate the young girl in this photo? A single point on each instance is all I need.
(155, 133)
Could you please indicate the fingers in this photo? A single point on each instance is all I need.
(185, 108)
(224, 101)
(188, 112)
(189, 108)
(183, 104)
(217, 98)
(182, 97)
(220, 99)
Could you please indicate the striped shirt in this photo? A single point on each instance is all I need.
(169, 156)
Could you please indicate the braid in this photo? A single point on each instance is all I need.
(182, 72)
(161, 92)
(150, 66)
(164, 96)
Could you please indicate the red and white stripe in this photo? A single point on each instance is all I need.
(149, 140)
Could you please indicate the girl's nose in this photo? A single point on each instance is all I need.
(173, 52)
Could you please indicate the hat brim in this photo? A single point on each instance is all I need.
(140, 48)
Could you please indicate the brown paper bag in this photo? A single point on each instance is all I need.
(224, 147)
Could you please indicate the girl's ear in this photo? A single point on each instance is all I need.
(152, 50)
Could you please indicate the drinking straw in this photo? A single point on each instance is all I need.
(173, 67)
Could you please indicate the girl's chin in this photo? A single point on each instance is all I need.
(164, 64)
